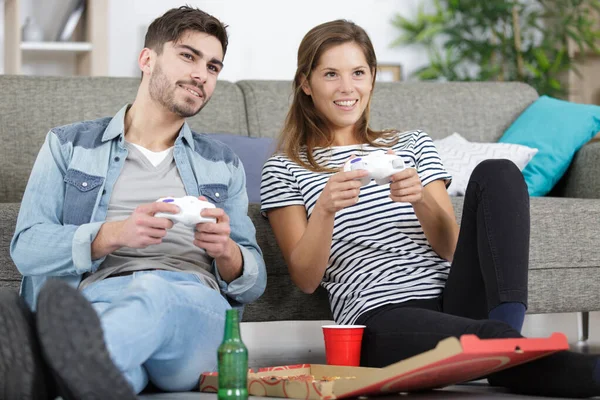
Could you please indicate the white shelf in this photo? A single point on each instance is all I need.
(88, 53)
(74, 47)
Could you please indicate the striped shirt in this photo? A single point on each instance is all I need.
(379, 253)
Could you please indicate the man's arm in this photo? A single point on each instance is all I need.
(42, 245)
(239, 268)
(231, 263)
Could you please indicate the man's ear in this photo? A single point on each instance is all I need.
(145, 60)
(305, 86)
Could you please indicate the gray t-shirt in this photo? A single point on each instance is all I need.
(141, 182)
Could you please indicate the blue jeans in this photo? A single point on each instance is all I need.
(160, 326)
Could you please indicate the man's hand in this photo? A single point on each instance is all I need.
(140, 230)
(406, 186)
(214, 239)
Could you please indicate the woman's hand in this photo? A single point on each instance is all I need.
(405, 186)
(342, 190)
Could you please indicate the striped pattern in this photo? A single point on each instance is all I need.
(379, 253)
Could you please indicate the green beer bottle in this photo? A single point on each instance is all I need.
(233, 361)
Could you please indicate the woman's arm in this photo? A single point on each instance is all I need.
(305, 245)
(432, 207)
(436, 215)
(431, 202)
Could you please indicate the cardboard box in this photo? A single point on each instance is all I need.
(452, 361)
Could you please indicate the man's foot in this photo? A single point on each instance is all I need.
(22, 369)
(72, 341)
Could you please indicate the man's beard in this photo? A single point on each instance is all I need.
(163, 92)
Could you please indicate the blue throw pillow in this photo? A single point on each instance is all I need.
(253, 152)
(557, 128)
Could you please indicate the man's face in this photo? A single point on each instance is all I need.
(184, 76)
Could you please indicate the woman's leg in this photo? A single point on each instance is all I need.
(563, 374)
(490, 263)
(396, 332)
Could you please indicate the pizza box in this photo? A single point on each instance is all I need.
(452, 361)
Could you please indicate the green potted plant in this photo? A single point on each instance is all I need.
(533, 41)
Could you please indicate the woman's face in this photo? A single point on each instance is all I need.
(340, 86)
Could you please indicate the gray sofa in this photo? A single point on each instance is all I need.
(565, 255)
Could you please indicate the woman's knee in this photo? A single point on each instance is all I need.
(498, 173)
(496, 168)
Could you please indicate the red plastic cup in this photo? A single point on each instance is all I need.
(342, 344)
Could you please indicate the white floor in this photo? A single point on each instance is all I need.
(541, 325)
(291, 342)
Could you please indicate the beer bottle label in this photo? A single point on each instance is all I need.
(233, 369)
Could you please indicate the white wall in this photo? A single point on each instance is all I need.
(1, 36)
(264, 34)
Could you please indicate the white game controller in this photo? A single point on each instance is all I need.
(190, 208)
(380, 166)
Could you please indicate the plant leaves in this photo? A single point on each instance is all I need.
(474, 40)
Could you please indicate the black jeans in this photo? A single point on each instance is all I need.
(490, 267)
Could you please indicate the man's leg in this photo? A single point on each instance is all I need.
(23, 373)
(175, 327)
(168, 321)
(101, 295)
(72, 342)
(488, 278)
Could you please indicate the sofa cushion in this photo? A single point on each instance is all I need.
(253, 152)
(9, 275)
(460, 157)
(582, 179)
(558, 129)
(282, 300)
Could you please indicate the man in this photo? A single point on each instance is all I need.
(124, 297)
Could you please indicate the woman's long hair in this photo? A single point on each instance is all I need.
(304, 124)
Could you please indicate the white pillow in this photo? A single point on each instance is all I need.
(460, 157)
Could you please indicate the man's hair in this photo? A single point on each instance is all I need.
(172, 24)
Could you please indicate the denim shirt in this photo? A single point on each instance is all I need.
(70, 186)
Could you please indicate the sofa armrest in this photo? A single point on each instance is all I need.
(9, 276)
(582, 179)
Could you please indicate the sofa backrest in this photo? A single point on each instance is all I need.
(30, 106)
(479, 111)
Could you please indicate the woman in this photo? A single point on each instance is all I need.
(391, 257)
